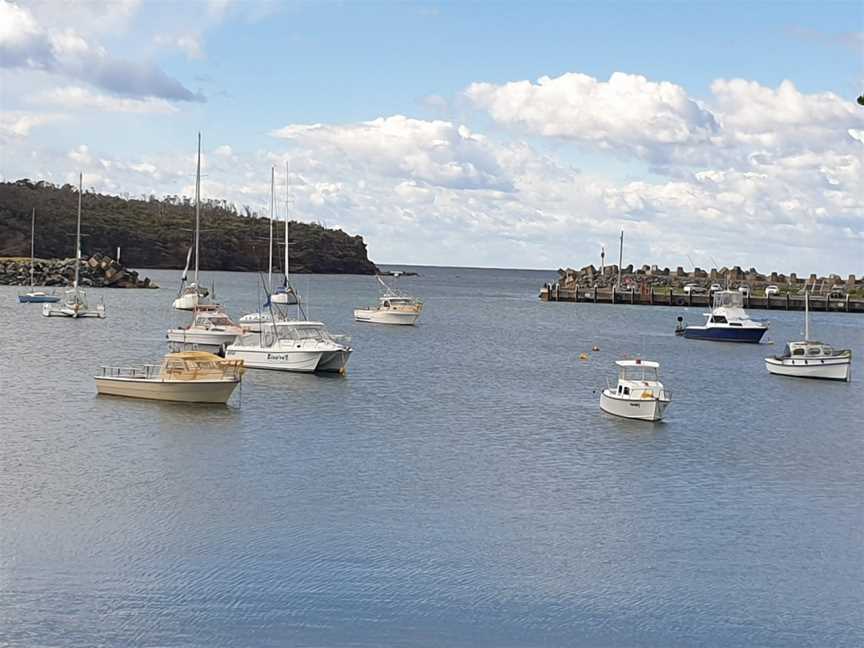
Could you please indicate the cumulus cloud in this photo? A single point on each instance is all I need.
(627, 112)
(437, 152)
(25, 44)
(19, 124)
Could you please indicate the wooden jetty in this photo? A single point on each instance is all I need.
(650, 297)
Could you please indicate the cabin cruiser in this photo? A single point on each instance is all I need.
(292, 345)
(639, 393)
(810, 359)
(728, 321)
(394, 307)
(211, 330)
(188, 377)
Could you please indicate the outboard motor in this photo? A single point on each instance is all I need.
(680, 326)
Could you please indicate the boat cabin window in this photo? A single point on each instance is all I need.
(735, 324)
(637, 373)
(827, 350)
(813, 351)
(620, 389)
(626, 391)
(719, 319)
(799, 351)
(386, 304)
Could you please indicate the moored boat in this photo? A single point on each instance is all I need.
(639, 393)
(211, 330)
(188, 377)
(34, 296)
(811, 359)
(727, 321)
(394, 307)
(192, 295)
(292, 345)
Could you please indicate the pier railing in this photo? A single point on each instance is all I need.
(670, 298)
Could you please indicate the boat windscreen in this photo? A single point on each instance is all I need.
(638, 373)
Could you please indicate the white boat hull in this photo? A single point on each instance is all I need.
(645, 409)
(829, 368)
(178, 391)
(187, 302)
(403, 318)
(283, 298)
(200, 340)
(278, 360)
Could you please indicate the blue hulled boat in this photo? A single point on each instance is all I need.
(728, 321)
(38, 297)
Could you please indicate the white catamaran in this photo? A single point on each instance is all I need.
(35, 296)
(192, 294)
(74, 303)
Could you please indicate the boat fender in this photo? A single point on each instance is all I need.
(583, 356)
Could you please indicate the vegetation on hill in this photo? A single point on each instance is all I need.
(154, 233)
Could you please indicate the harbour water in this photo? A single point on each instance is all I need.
(459, 487)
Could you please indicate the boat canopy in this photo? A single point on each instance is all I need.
(728, 299)
(638, 370)
(198, 365)
(638, 363)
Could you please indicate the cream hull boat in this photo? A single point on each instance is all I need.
(178, 391)
(839, 368)
(387, 316)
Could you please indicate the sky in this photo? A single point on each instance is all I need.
(505, 134)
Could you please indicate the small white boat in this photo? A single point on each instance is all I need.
(810, 359)
(639, 393)
(74, 303)
(292, 345)
(211, 330)
(394, 307)
(189, 377)
(284, 294)
(35, 296)
(192, 295)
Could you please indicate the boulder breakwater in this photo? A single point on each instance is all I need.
(651, 285)
(97, 271)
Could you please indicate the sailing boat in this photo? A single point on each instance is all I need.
(190, 295)
(285, 294)
(75, 299)
(810, 359)
(35, 296)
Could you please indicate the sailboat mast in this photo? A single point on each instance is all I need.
(287, 207)
(197, 206)
(78, 231)
(32, 245)
(620, 257)
(272, 205)
(806, 316)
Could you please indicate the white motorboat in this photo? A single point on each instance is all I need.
(728, 321)
(639, 393)
(34, 296)
(74, 302)
(811, 359)
(394, 307)
(292, 345)
(211, 330)
(191, 295)
(190, 377)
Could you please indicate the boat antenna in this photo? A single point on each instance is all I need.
(620, 257)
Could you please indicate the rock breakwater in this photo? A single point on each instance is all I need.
(97, 271)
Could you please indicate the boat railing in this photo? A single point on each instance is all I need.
(145, 372)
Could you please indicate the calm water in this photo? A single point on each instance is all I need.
(460, 487)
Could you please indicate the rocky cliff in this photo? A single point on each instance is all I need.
(157, 233)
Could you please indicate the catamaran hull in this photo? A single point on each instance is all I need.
(74, 313)
(828, 368)
(751, 335)
(649, 409)
(198, 391)
(334, 361)
(386, 317)
(298, 361)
